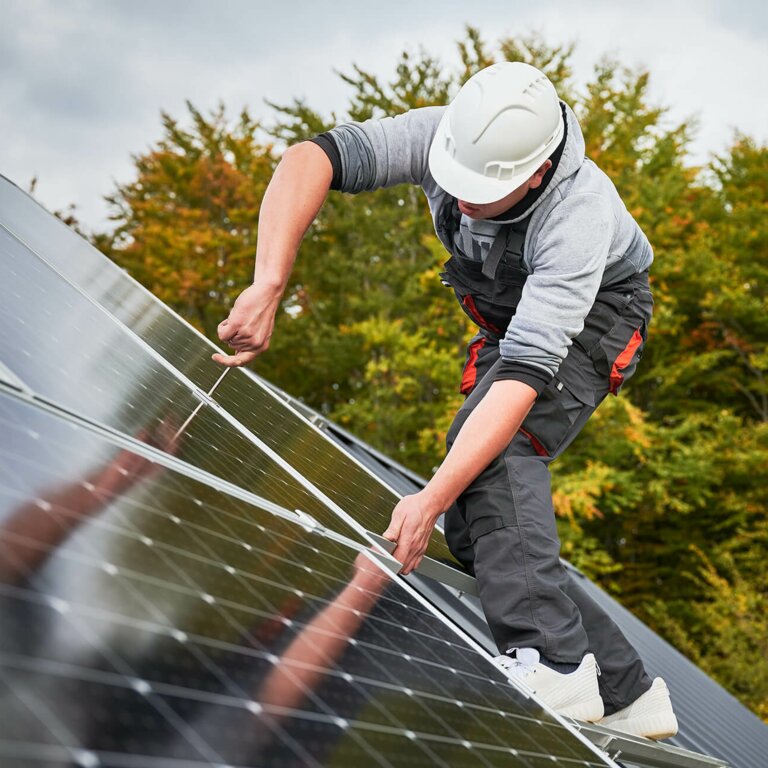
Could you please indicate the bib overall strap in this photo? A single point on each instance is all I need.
(507, 239)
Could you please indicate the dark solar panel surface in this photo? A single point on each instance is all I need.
(70, 352)
(152, 620)
(359, 493)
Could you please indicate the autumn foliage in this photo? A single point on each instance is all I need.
(663, 497)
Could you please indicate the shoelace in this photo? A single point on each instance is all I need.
(514, 666)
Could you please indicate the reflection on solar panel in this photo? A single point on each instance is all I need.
(336, 475)
(149, 616)
(91, 366)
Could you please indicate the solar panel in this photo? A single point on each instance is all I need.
(68, 351)
(151, 619)
(358, 494)
(311, 453)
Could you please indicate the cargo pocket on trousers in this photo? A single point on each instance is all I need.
(617, 353)
(554, 414)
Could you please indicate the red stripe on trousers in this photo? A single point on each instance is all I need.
(537, 446)
(469, 303)
(623, 360)
(469, 377)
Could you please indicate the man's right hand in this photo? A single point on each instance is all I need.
(249, 325)
(292, 200)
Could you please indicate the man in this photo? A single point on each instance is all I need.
(552, 268)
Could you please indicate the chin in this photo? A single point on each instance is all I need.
(473, 211)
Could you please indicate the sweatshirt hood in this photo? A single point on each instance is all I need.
(570, 162)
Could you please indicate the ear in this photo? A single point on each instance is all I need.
(538, 177)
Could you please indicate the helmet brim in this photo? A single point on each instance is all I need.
(468, 185)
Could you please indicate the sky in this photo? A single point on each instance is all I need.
(83, 82)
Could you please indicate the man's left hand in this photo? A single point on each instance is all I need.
(410, 528)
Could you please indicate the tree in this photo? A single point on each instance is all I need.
(186, 227)
(726, 632)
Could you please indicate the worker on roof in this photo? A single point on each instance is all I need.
(552, 268)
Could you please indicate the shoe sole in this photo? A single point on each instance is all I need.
(587, 711)
(661, 725)
(647, 727)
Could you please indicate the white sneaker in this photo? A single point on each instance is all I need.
(573, 695)
(651, 715)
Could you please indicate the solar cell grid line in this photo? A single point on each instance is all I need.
(205, 443)
(80, 262)
(163, 672)
(93, 366)
(238, 529)
(162, 459)
(340, 476)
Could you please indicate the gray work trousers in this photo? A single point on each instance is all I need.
(502, 528)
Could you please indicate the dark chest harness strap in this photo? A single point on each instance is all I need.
(508, 239)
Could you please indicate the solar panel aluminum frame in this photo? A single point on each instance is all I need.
(279, 396)
(465, 609)
(393, 566)
(635, 751)
(451, 577)
(7, 376)
(437, 569)
(206, 399)
(629, 750)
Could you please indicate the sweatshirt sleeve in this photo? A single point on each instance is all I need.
(383, 153)
(568, 261)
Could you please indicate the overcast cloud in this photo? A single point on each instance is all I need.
(82, 82)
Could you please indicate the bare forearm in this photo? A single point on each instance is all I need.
(293, 199)
(311, 652)
(484, 435)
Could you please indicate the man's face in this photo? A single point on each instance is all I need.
(489, 210)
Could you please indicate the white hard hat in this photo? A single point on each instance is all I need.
(503, 124)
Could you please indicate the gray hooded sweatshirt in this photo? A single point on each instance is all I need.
(580, 235)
